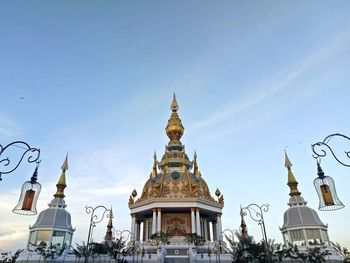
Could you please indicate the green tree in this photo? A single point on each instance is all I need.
(161, 237)
(317, 254)
(194, 239)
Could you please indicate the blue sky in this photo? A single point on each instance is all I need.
(96, 78)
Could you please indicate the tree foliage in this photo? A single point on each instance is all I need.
(195, 239)
(161, 237)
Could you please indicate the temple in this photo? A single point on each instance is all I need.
(52, 229)
(53, 226)
(175, 199)
(302, 226)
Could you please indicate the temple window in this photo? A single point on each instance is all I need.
(58, 238)
(297, 237)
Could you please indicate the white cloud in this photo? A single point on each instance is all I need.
(262, 93)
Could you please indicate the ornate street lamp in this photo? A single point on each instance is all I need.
(324, 185)
(256, 213)
(94, 219)
(29, 196)
(30, 189)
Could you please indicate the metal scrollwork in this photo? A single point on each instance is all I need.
(94, 219)
(6, 162)
(256, 213)
(320, 153)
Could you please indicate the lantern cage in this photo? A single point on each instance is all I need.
(327, 194)
(29, 196)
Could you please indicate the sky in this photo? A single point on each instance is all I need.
(95, 79)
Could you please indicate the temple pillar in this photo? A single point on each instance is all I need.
(133, 222)
(218, 226)
(198, 225)
(154, 221)
(215, 237)
(159, 220)
(138, 234)
(193, 220)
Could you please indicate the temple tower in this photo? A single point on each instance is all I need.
(301, 224)
(53, 226)
(175, 198)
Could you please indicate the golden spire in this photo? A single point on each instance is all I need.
(110, 223)
(292, 182)
(174, 106)
(109, 233)
(243, 225)
(154, 169)
(195, 169)
(61, 184)
(174, 129)
(242, 216)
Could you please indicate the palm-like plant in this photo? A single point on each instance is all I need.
(194, 239)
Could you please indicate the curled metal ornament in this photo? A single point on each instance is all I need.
(124, 235)
(320, 153)
(6, 162)
(95, 219)
(229, 234)
(256, 212)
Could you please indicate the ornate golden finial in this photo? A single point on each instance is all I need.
(221, 199)
(242, 216)
(174, 106)
(243, 225)
(61, 184)
(134, 193)
(109, 233)
(131, 200)
(292, 182)
(195, 168)
(154, 169)
(174, 128)
(110, 223)
(217, 192)
(287, 162)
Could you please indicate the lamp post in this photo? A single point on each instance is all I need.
(94, 219)
(256, 213)
(325, 185)
(31, 189)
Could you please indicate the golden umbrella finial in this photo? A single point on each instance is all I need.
(61, 184)
(174, 106)
(174, 129)
(292, 182)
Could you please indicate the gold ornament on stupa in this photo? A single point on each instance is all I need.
(292, 182)
(61, 184)
(174, 129)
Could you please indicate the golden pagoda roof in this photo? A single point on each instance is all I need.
(292, 182)
(175, 175)
(174, 129)
(61, 184)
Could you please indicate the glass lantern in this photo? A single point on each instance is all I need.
(29, 196)
(327, 194)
